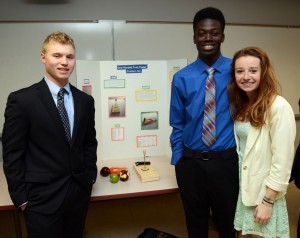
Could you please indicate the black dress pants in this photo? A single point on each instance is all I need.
(209, 184)
(67, 222)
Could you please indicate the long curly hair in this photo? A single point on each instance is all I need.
(256, 111)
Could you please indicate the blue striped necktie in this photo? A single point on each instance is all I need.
(63, 112)
(209, 121)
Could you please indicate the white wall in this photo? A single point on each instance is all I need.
(20, 46)
(242, 11)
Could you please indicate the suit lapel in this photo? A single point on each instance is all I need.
(251, 139)
(76, 101)
(47, 99)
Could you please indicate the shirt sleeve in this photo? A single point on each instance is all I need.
(282, 133)
(177, 120)
(14, 137)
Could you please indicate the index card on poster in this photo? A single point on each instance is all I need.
(147, 140)
(114, 83)
(117, 134)
(145, 95)
(172, 72)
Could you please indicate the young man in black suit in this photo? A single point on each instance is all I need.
(49, 169)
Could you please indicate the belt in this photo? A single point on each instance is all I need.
(209, 155)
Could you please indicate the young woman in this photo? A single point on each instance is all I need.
(264, 126)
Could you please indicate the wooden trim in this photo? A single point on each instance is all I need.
(7, 208)
(149, 22)
(132, 195)
(113, 197)
(49, 21)
(228, 24)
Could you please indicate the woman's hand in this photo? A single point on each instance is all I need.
(262, 214)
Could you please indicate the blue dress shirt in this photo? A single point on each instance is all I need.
(187, 107)
(68, 100)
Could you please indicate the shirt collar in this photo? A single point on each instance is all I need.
(54, 88)
(217, 65)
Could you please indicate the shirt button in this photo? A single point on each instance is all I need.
(245, 167)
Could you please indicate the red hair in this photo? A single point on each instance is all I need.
(240, 105)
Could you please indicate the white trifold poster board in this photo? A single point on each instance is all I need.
(132, 100)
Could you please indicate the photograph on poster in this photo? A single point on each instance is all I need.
(117, 106)
(149, 120)
(87, 89)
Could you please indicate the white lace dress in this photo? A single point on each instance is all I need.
(278, 226)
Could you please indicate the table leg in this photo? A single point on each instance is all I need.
(17, 223)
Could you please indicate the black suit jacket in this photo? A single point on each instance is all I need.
(38, 161)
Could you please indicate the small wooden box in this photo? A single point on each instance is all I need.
(146, 175)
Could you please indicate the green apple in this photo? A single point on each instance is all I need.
(114, 178)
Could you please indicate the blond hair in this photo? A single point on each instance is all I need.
(59, 37)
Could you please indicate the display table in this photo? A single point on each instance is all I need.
(103, 189)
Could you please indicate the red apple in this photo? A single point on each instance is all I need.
(104, 171)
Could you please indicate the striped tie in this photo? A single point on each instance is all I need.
(209, 121)
(63, 112)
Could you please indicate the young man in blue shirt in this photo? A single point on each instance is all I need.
(207, 175)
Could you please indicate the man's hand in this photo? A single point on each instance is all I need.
(23, 207)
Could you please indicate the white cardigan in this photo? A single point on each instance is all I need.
(268, 155)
